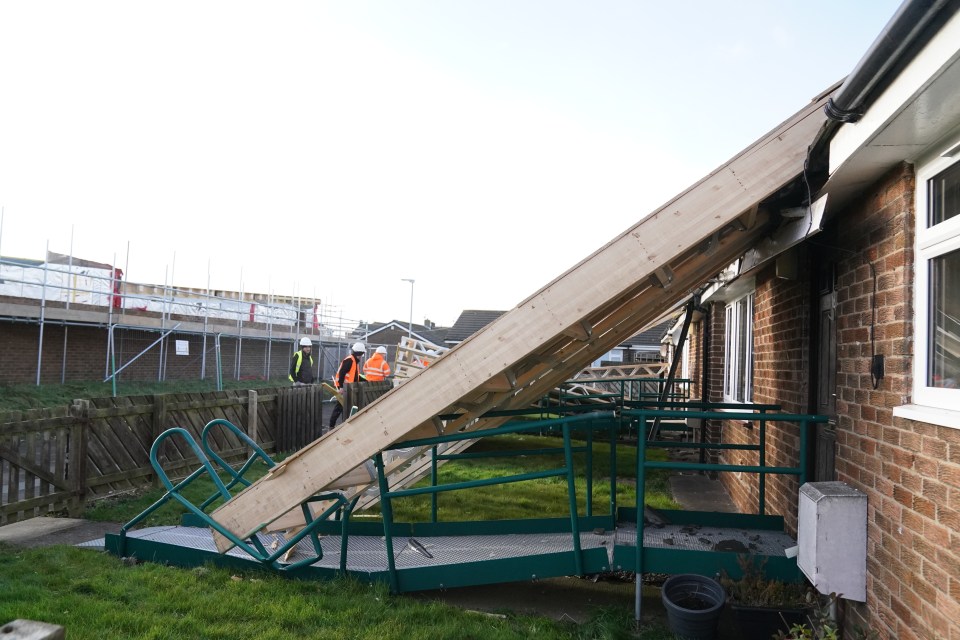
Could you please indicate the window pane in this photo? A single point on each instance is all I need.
(944, 195)
(744, 324)
(728, 359)
(943, 369)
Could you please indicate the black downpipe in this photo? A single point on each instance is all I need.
(707, 331)
(677, 355)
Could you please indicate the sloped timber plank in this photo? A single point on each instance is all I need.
(595, 283)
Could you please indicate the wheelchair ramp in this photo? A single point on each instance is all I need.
(550, 336)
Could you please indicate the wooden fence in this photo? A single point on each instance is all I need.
(55, 460)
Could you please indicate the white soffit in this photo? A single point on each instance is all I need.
(919, 108)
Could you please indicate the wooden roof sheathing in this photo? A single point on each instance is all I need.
(594, 306)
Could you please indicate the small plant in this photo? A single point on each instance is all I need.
(822, 626)
(754, 589)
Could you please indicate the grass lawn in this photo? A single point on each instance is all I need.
(95, 595)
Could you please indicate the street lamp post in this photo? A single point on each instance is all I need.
(410, 326)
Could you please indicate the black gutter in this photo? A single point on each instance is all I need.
(910, 28)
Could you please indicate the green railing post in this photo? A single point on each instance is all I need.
(589, 470)
(763, 462)
(614, 430)
(804, 441)
(433, 483)
(386, 511)
(641, 490)
(572, 498)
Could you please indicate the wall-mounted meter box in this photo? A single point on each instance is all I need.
(832, 538)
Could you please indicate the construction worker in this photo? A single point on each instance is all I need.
(349, 371)
(301, 366)
(376, 368)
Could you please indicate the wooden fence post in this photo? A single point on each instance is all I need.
(252, 415)
(159, 422)
(79, 432)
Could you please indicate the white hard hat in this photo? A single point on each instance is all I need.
(381, 349)
(305, 342)
(358, 347)
(433, 353)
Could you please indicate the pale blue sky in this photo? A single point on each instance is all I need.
(330, 149)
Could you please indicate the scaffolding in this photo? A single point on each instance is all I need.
(70, 309)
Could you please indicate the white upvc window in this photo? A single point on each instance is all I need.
(738, 351)
(936, 368)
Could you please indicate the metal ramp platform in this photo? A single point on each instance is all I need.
(506, 551)
(421, 562)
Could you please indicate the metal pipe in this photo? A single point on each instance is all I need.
(160, 339)
(572, 500)
(43, 311)
(410, 326)
(387, 511)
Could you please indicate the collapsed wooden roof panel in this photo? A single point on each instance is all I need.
(601, 301)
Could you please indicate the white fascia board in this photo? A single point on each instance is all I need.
(926, 66)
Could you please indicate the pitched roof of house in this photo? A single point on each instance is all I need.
(649, 340)
(469, 322)
(435, 334)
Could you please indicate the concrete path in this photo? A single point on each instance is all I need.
(46, 531)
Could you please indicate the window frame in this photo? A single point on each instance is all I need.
(735, 344)
(931, 242)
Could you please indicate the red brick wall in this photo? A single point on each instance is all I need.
(781, 321)
(909, 471)
(83, 356)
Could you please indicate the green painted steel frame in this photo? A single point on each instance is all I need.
(387, 496)
(644, 555)
(578, 561)
(342, 507)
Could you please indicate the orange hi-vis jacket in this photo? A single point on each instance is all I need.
(376, 368)
(343, 377)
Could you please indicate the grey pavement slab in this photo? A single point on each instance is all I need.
(46, 531)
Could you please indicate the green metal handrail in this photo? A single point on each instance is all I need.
(643, 464)
(237, 475)
(387, 496)
(341, 507)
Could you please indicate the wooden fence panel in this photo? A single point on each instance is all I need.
(268, 412)
(300, 412)
(54, 460)
(34, 478)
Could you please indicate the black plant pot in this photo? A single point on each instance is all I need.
(762, 623)
(693, 603)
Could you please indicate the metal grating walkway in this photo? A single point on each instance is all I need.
(368, 553)
(694, 537)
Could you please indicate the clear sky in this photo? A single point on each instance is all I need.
(330, 149)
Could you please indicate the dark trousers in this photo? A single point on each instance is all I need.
(335, 415)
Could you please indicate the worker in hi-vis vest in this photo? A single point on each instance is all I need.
(301, 366)
(349, 371)
(376, 368)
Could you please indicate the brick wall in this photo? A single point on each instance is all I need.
(909, 471)
(79, 354)
(781, 373)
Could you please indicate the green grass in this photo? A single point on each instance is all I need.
(95, 596)
(18, 397)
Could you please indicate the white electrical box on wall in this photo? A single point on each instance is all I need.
(832, 538)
